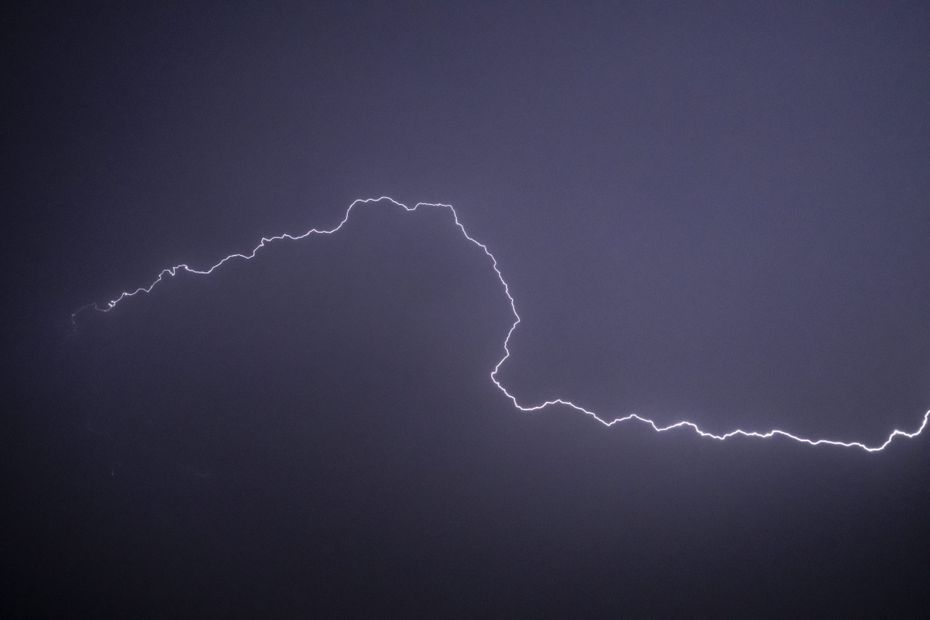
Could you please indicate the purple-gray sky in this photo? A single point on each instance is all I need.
(717, 211)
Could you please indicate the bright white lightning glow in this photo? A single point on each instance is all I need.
(173, 271)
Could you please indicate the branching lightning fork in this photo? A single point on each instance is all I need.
(170, 272)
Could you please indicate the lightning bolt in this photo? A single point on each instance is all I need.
(171, 272)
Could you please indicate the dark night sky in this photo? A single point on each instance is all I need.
(715, 211)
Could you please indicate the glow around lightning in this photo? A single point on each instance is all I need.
(170, 272)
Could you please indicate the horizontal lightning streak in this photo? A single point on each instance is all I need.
(170, 272)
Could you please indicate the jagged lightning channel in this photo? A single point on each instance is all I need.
(170, 272)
